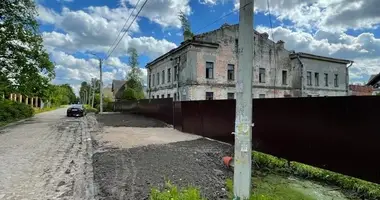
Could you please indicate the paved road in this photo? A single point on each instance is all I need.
(47, 157)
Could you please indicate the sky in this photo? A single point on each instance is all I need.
(78, 32)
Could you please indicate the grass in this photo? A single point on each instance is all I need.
(171, 192)
(270, 190)
(359, 188)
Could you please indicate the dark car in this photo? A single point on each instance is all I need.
(76, 111)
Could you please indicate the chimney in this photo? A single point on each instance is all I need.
(280, 44)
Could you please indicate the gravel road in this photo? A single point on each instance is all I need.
(47, 157)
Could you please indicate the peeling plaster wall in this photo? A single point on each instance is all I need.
(271, 56)
(267, 54)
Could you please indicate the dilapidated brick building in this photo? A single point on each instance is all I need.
(205, 68)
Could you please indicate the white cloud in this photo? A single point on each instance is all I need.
(162, 12)
(46, 15)
(70, 69)
(364, 49)
(329, 15)
(95, 29)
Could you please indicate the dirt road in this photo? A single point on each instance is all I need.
(47, 157)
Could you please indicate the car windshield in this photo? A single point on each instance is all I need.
(76, 106)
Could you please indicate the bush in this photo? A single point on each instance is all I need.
(11, 111)
(90, 109)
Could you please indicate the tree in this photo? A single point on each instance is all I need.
(186, 28)
(25, 66)
(134, 86)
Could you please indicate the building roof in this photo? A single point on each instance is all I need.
(317, 57)
(374, 79)
(182, 46)
(117, 84)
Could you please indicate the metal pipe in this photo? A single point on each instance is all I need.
(348, 77)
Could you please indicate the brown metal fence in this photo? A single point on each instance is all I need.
(335, 133)
(161, 109)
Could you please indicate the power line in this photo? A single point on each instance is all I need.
(126, 30)
(125, 24)
(222, 17)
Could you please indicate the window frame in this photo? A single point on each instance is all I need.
(309, 80)
(316, 78)
(231, 72)
(284, 72)
(207, 95)
(262, 79)
(208, 69)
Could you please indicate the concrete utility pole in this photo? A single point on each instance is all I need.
(243, 121)
(93, 91)
(101, 87)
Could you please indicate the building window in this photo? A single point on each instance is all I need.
(162, 96)
(209, 95)
(336, 80)
(158, 78)
(175, 73)
(175, 96)
(163, 77)
(169, 75)
(308, 77)
(230, 95)
(262, 96)
(316, 79)
(149, 84)
(209, 70)
(158, 96)
(168, 95)
(326, 79)
(153, 79)
(262, 75)
(284, 77)
(231, 72)
(153, 97)
(236, 45)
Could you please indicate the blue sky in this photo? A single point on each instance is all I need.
(72, 29)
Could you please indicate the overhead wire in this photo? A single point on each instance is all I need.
(222, 17)
(125, 32)
(121, 30)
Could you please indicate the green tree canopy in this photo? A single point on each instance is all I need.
(26, 67)
(134, 85)
(186, 27)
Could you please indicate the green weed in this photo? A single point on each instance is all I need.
(171, 192)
